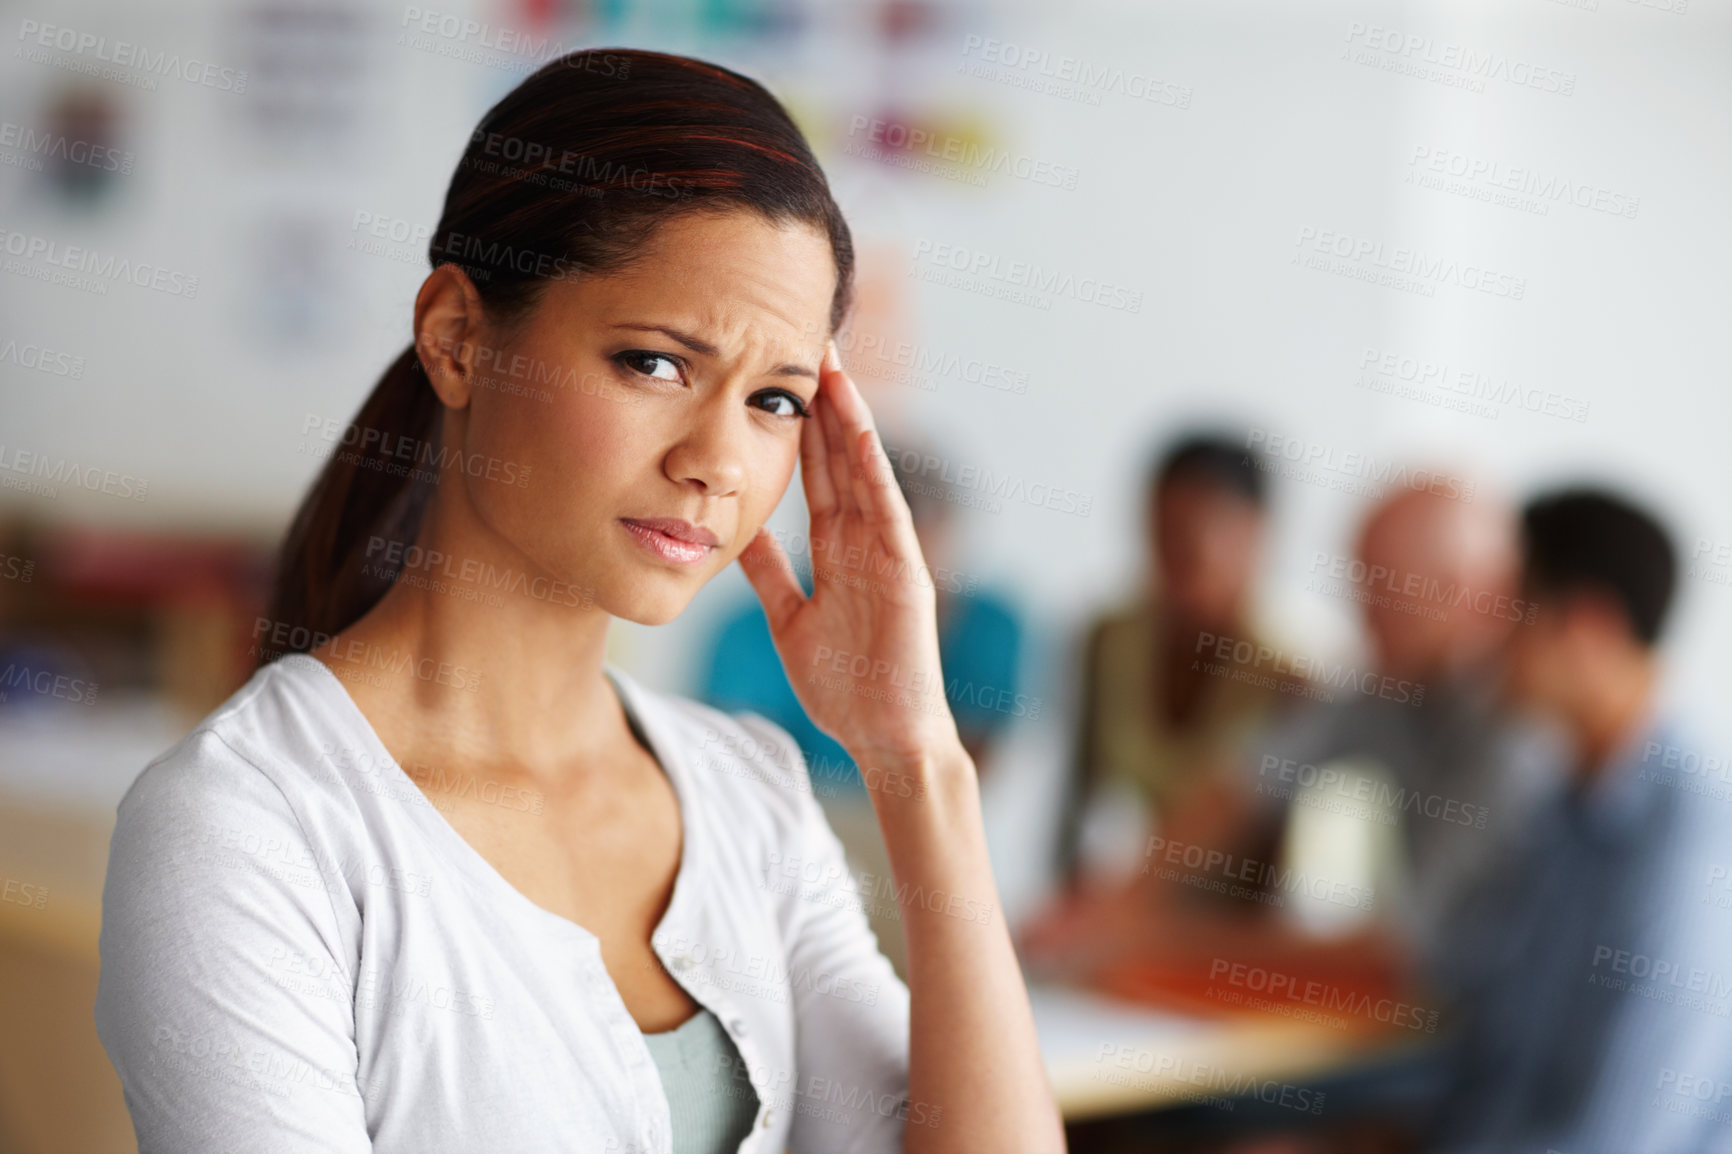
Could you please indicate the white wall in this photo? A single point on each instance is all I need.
(1199, 208)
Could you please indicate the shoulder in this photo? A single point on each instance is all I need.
(1116, 634)
(1128, 617)
(236, 826)
(1677, 766)
(258, 766)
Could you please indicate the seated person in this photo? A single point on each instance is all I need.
(1435, 580)
(1157, 719)
(1589, 991)
(1450, 770)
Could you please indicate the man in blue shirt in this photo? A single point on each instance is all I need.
(1591, 991)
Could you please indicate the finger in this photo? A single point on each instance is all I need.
(772, 576)
(842, 466)
(872, 475)
(821, 500)
(856, 414)
(880, 498)
(852, 415)
(882, 502)
(871, 479)
(885, 509)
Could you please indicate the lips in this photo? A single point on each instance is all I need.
(672, 539)
(677, 529)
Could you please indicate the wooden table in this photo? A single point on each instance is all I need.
(1107, 1057)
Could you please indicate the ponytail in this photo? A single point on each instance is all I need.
(371, 488)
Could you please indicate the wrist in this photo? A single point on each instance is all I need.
(916, 772)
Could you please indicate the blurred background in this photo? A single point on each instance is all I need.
(1084, 233)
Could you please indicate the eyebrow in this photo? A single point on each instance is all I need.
(705, 348)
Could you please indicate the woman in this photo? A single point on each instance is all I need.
(451, 882)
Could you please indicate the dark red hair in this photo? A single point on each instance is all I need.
(566, 176)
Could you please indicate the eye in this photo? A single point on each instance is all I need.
(644, 362)
(790, 405)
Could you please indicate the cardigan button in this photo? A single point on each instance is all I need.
(768, 1114)
(738, 1026)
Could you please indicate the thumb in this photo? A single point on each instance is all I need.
(767, 567)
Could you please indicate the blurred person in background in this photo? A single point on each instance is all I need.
(1589, 993)
(1156, 726)
(1456, 771)
(1164, 726)
(1442, 760)
(1445, 760)
(980, 644)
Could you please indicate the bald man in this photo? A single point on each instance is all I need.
(1425, 561)
(1436, 581)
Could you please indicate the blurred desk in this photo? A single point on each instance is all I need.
(1105, 1056)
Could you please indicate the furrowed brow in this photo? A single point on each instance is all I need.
(705, 348)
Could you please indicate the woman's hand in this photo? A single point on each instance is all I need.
(862, 651)
(862, 654)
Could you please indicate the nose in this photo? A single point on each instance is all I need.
(710, 453)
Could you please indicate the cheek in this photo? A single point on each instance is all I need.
(581, 449)
(1240, 544)
(1218, 565)
(771, 468)
(1232, 557)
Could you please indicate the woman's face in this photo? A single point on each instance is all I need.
(677, 388)
(1206, 542)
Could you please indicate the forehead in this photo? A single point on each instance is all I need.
(734, 277)
(1201, 497)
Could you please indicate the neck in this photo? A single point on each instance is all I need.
(509, 670)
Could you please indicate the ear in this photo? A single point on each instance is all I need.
(449, 325)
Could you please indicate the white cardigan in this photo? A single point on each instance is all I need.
(299, 953)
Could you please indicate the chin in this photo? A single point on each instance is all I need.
(646, 604)
(658, 616)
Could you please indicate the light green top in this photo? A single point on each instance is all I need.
(711, 1102)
